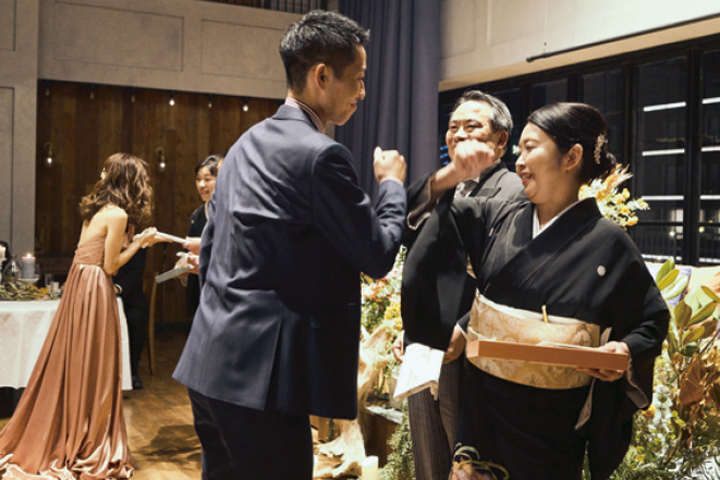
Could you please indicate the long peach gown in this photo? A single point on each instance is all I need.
(69, 423)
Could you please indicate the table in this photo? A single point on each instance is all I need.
(23, 328)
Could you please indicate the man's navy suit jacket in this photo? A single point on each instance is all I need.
(290, 230)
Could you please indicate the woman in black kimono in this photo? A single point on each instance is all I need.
(205, 176)
(561, 254)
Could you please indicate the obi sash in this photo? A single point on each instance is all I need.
(492, 321)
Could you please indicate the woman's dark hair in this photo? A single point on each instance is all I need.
(320, 37)
(212, 162)
(125, 183)
(571, 123)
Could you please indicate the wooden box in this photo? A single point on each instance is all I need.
(551, 355)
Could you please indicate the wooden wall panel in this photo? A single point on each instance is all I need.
(87, 123)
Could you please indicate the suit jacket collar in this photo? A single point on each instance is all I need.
(490, 177)
(286, 112)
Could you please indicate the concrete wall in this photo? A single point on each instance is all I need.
(185, 45)
(18, 106)
(485, 40)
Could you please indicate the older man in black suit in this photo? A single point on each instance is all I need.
(433, 423)
(276, 335)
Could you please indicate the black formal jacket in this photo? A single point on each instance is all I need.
(192, 292)
(130, 279)
(288, 234)
(418, 300)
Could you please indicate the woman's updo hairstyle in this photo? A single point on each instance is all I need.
(571, 123)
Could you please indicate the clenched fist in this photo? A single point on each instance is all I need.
(388, 163)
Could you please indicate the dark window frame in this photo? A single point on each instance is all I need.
(693, 50)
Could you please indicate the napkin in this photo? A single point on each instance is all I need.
(420, 370)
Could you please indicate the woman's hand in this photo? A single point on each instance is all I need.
(456, 347)
(149, 237)
(193, 244)
(398, 347)
(183, 262)
(608, 375)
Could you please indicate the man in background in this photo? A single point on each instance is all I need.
(433, 423)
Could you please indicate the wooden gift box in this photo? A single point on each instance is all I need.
(548, 354)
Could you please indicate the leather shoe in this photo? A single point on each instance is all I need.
(136, 382)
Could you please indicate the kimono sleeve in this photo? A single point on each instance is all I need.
(643, 329)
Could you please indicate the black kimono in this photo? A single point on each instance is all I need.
(192, 294)
(581, 266)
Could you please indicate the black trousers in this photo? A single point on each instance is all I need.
(240, 443)
(434, 423)
(136, 317)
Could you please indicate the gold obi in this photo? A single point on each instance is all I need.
(492, 321)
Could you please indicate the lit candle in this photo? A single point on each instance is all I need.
(28, 266)
(370, 468)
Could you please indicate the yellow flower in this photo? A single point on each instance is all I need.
(650, 412)
(618, 199)
(625, 209)
(625, 193)
(393, 311)
(632, 221)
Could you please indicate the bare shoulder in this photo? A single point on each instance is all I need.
(109, 215)
(112, 213)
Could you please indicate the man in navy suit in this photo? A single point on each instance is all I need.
(276, 336)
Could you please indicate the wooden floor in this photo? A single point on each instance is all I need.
(159, 419)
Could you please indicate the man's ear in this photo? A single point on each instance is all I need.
(503, 138)
(321, 75)
(574, 157)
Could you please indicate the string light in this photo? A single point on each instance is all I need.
(172, 99)
(48, 154)
(209, 100)
(246, 107)
(132, 95)
(161, 159)
(92, 92)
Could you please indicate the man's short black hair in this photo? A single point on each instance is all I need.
(320, 37)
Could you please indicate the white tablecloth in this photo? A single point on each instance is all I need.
(23, 328)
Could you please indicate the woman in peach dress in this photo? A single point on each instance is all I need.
(69, 423)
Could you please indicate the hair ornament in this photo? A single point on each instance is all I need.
(599, 143)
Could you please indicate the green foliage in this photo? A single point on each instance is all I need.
(678, 437)
(400, 464)
(381, 309)
(381, 297)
